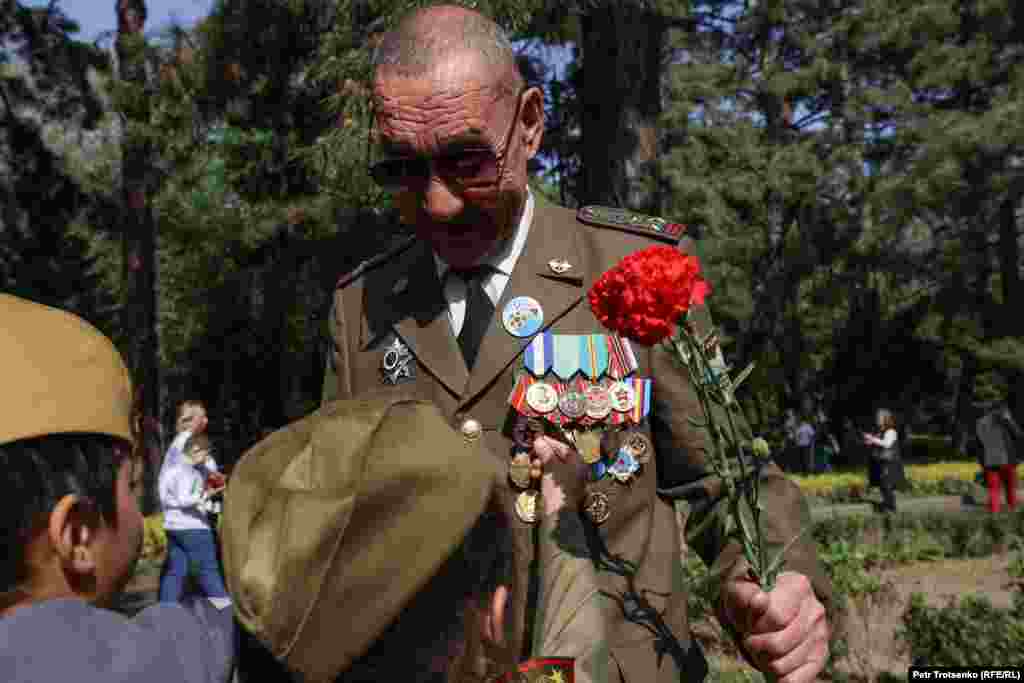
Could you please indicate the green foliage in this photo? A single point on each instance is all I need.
(911, 538)
(968, 632)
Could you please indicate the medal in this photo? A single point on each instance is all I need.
(588, 443)
(397, 364)
(522, 316)
(639, 446)
(623, 397)
(519, 470)
(597, 507)
(526, 506)
(572, 404)
(598, 402)
(542, 397)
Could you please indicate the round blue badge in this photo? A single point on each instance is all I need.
(523, 316)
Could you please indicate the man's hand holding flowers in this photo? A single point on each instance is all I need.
(780, 620)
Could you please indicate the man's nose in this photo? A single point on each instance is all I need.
(439, 202)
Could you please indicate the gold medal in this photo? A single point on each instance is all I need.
(519, 470)
(588, 443)
(597, 507)
(639, 446)
(526, 506)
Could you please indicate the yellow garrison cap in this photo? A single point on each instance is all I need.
(60, 375)
(333, 524)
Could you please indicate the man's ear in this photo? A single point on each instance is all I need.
(532, 118)
(73, 524)
(494, 618)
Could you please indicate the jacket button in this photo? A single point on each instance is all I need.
(471, 429)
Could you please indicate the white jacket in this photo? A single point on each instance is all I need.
(181, 488)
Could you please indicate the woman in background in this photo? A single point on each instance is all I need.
(885, 454)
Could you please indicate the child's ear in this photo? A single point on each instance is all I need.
(73, 525)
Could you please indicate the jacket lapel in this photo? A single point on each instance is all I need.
(551, 237)
(417, 312)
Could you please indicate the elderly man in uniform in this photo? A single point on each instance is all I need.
(487, 299)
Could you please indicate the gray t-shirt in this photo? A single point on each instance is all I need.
(70, 640)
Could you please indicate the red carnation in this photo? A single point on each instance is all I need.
(646, 294)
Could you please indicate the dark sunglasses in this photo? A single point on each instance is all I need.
(467, 168)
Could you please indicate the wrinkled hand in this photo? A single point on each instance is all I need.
(562, 484)
(785, 631)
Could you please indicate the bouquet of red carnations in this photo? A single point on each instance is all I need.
(648, 298)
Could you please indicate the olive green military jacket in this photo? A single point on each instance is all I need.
(637, 550)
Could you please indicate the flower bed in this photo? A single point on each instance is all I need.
(933, 479)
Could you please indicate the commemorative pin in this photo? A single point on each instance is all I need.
(523, 316)
(542, 397)
(559, 266)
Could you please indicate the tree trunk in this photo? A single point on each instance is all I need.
(139, 229)
(623, 49)
(1009, 266)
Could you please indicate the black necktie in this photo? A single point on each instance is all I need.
(479, 310)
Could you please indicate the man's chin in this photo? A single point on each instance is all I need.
(462, 255)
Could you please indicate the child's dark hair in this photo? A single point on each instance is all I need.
(37, 473)
(197, 443)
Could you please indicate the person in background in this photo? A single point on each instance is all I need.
(805, 443)
(185, 500)
(885, 454)
(70, 525)
(999, 434)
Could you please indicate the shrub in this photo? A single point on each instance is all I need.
(154, 543)
(970, 632)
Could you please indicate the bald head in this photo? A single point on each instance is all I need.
(433, 36)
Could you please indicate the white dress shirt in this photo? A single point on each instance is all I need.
(503, 259)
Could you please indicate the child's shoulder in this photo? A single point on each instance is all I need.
(164, 642)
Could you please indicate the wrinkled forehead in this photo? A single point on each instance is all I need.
(454, 96)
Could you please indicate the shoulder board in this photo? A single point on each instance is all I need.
(631, 221)
(375, 261)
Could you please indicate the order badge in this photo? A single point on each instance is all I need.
(523, 316)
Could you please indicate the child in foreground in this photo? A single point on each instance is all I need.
(70, 522)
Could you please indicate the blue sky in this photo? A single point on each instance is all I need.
(97, 16)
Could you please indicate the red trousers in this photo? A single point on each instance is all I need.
(1007, 475)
